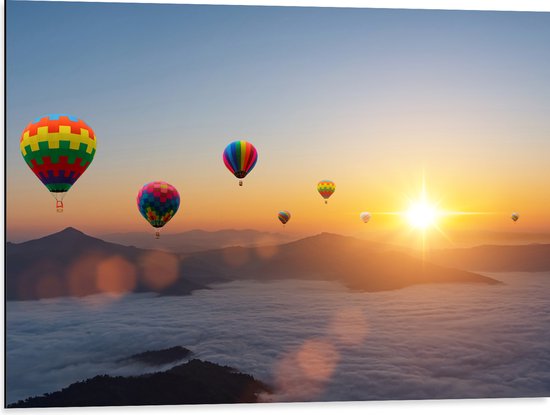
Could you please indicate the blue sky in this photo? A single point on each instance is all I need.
(355, 95)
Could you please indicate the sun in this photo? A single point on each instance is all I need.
(421, 215)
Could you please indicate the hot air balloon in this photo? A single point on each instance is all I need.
(326, 189)
(240, 157)
(365, 216)
(515, 216)
(58, 148)
(284, 216)
(158, 202)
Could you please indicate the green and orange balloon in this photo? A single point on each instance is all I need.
(326, 188)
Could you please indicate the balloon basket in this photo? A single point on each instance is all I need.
(59, 206)
(326, 202)
(157, 235)
(240, 182)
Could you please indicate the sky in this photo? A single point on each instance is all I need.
(375, 100)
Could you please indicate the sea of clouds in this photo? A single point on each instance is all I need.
(312, 341)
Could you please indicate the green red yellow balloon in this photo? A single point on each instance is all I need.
(58, 148)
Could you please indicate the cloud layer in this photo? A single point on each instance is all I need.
(312, 340)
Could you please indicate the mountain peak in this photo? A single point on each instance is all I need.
(329, 235)
(71, 230)
(68, 235)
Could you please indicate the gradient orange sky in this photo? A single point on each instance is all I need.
(371, 99)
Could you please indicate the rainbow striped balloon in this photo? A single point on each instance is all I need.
(158, 202)
(326, 188)
(58, 148)
(240, 157)
(284, 216)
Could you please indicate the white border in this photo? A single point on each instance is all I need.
(506, 5)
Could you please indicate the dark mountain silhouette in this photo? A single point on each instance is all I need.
(199, 240)
(526, 258)
(70, 263)
(160, 357)
(356, 263)
(195, 382)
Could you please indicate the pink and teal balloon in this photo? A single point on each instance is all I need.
(284, 216)
(240, 157)
(158, 202)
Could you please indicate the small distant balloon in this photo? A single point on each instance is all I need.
(515, 216)
(326, 188)
(365, 216)
(284, 216)
(158, 202)
(240, 157)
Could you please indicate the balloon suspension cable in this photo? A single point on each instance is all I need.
(240, 182)
(157, 234)
(58, 196)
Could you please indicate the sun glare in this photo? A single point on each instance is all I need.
(421, 215)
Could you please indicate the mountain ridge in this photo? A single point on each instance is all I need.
(71, 263)
(196, 240)
(193, 382)
(532, 257)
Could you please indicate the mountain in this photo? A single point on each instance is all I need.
(496, 258)
(160, 357)
(70, 263)
(199, 240)
(194, 382)
(356, 263)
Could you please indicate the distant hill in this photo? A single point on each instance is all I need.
(356, 263)
(199, 240)
(195, 382)
(496, 258)
(160, 357)
(70, 263)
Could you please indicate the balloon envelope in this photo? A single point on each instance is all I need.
(326, 188)
(240, 157)
(515, 216)
(365, 216)
(158, 202)
(284, 216)
(58, 148)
